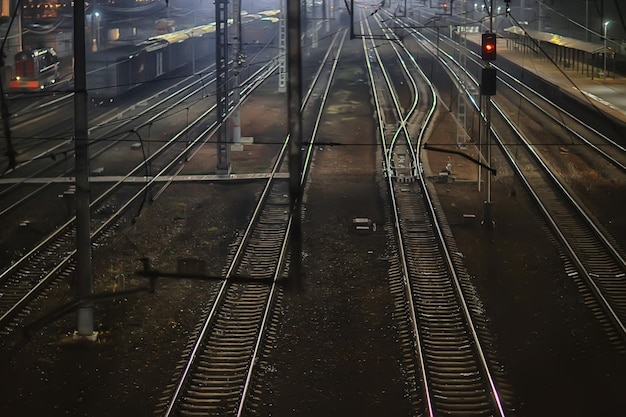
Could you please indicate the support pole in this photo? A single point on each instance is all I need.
(221, 89)
(481, 125)
(587, 20)
(461, 132)
(81, 144)
(351, 19)
(601, 16)
(294, 99)
(488, 205)
(282, 49)
(239, 59)
(9, 46)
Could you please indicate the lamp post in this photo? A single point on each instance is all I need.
(95, 27)
(606, 27)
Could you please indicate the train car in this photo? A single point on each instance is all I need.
(35, 69)
(118, 71)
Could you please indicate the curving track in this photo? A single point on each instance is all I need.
(451, 366)
(596, 259)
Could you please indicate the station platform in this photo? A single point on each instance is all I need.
(608, 95)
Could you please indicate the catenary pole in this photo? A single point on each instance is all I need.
(488, 204)
(239, 58)
(222, 78)
(81, 145)
(294, 100)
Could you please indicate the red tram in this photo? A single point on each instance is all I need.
(35, 69)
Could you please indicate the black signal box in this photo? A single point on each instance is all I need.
(488, 82)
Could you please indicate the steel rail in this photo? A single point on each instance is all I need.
(70, 153)
(249, 84)
(597, 148)
(190, 363)
(479, 350)
(403, 261)
(589, 277)
(615, 253)
(103, 226)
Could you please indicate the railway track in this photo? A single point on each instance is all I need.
(120, 128)
(593, 258)
(117, 204)
(597, 260)
(559, 125)
(218, 368)
(450, 381)
(448, 361)
(589, 144)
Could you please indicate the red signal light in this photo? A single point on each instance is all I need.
(488, 50)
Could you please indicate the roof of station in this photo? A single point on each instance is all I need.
(553, 38)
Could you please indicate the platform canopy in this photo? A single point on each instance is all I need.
(553, 38)
(183, 35)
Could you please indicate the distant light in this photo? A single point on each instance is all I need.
(97, 14)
